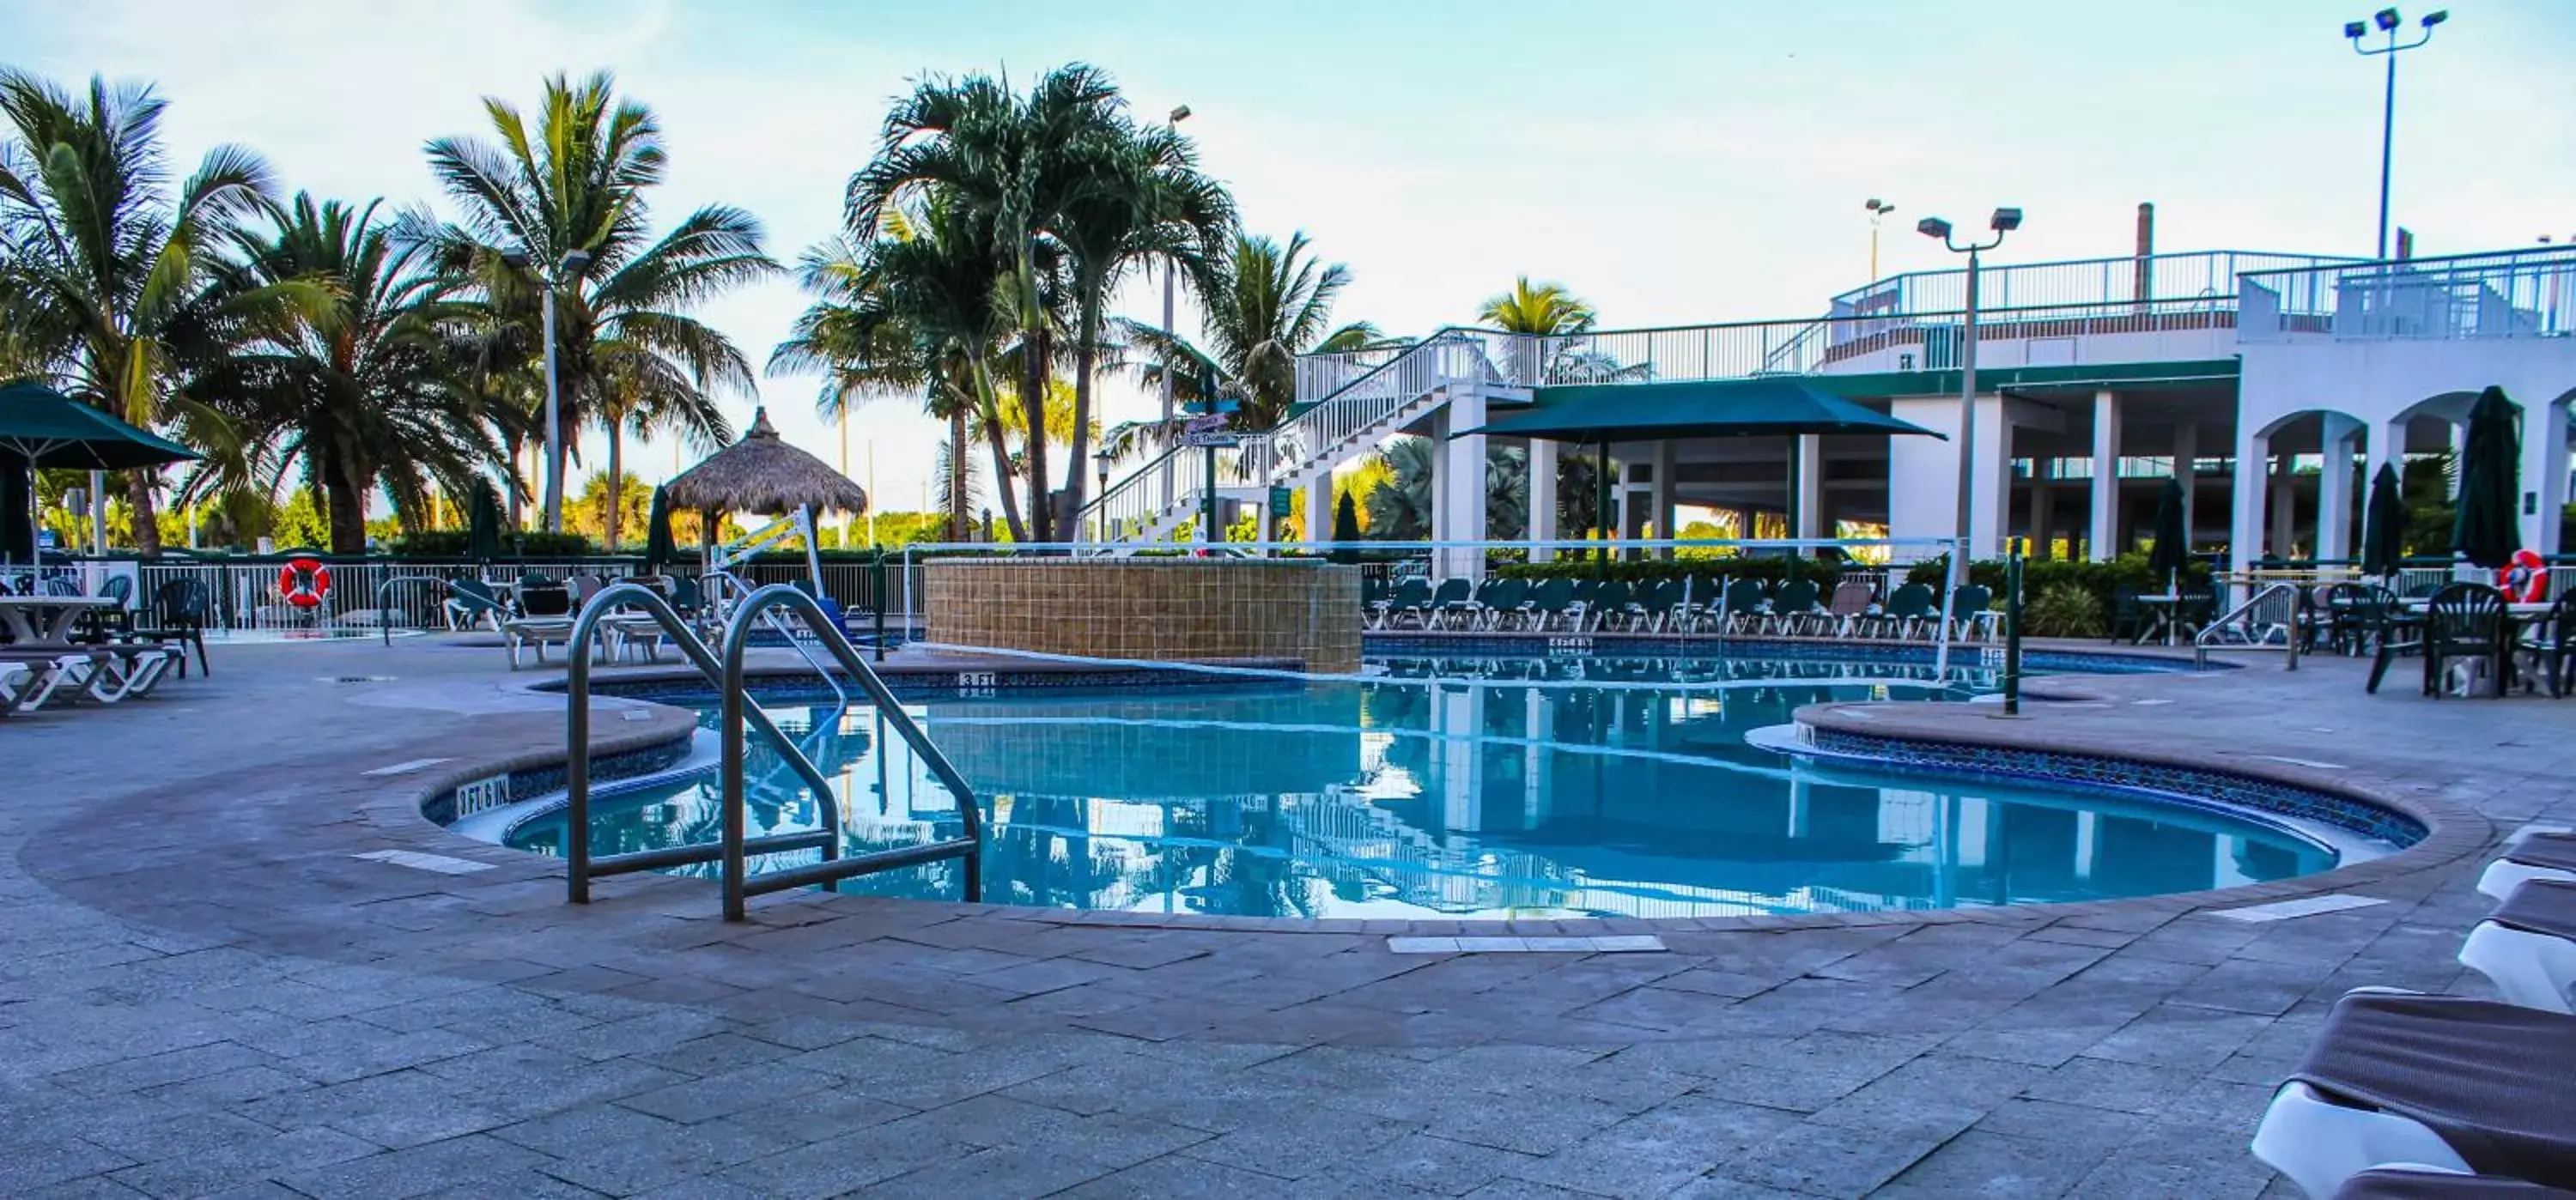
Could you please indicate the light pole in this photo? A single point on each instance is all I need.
(1877, 208)
(1102, 460)
(2387, 20)
(2003, 222)
(1171, 273)
(574, 262)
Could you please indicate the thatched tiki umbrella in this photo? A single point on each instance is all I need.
(762, 474)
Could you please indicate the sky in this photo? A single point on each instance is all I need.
(1673, 163)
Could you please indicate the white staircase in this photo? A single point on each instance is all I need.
(1364, 399)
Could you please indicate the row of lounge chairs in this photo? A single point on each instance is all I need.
(1696, 604)
(2410, 1095)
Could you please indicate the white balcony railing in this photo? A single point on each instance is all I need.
(2512, 294)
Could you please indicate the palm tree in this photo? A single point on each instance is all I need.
(574, 194)
(104, 271)
(1011, 160)
(1265, 305)
(1144, 201)
(360, 391)
(917, 304)
(1542, 310)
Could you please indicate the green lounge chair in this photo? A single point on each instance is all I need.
(1455, 600)
(1794, 608)
(1549, 601)
(1908, 610)
(472, 602)
(1972, 613)
(1742, 607)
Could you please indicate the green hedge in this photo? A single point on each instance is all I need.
(2102, 579)
(1770, 569)
(450, 543)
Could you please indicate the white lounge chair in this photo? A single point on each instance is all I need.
(2469, 1086)
(2527, 947)
(2533, 852)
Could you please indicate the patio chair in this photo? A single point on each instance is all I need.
(2130, 619)
(1908, 610)
(1609, 603)
(472, 602)
(2467, 621)
(178, 614)
(1508, 600)
(1373, 596)
(583, 587)
(1455, 598)
(1742, 606)
(2527, 946)
(2537, 853)
(1795, 607)
(1549, 601)
(2547, 650)
(2197, 608)
(544, 599)
(1412, 597)
(1972, 613)
(2431, 1081)
(1651, 604)
(1850, 604)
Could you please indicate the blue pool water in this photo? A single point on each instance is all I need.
(1474, 786)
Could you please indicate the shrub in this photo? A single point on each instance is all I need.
(2063, 610)
(1575, 564)
(450, 543)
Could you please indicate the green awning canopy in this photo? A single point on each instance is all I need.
(44, 428)
(1640, 412)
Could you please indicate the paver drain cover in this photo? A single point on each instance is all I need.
(357, 679)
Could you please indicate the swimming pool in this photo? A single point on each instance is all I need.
(1463, 786)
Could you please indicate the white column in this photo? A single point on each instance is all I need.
(2285, 501)
(1811, 486)
(1463, 477)
(1922, 472)
(1662, 493)
(1319, 507)
(1542, 497)
(1538, 785)
(1438, 462)
(2544, 475)
(1993, 479)
(2387, 448)
(2102, 539)
(2245, 531)
(2186, 450)
(2334, 488)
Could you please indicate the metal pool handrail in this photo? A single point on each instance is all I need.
(580, 865)
(2257, 616)
(739, 886)
(384, 592)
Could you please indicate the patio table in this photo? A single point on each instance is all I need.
(45, 622)
(2164, 611)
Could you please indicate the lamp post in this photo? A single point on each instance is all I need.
(2004, 221)
(1101, 461)
(1877, 208)
(2387, 20)
(573, 263)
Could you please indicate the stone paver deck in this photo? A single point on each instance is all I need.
(203, 991)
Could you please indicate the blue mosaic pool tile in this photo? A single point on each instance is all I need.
(2197, 786)
(530, 782)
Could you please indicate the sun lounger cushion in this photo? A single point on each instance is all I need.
(2542, 906)
(2396, 1184)
(2496, 1081)
(2556, 851)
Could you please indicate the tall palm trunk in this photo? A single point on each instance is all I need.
(616, 478)
(988, 413)
(344, 502)
(147, 522)
(957, 475)
(1086, 356)
(1033, 402)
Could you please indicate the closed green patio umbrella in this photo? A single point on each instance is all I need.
(2172, 551)
(660, 549)
(483, 525)
(2383, 525)
(17, 512)
(2486, 531)
(42, 428)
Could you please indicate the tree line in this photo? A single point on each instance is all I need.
(352, 347)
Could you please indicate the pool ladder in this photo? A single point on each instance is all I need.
(725, 670)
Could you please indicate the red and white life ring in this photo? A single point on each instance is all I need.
(2525, 580)
(304, 581)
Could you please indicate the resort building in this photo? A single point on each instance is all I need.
(2272, 384)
